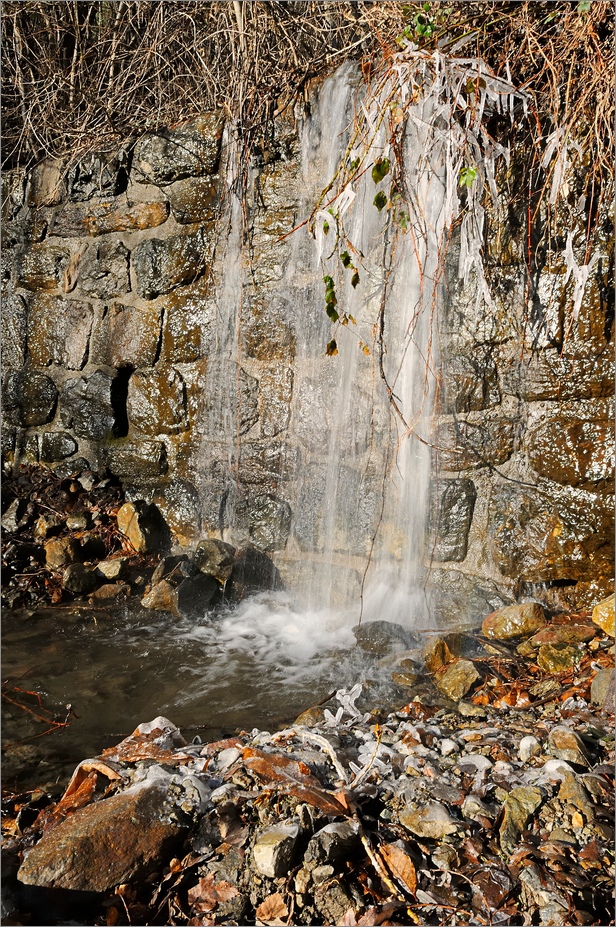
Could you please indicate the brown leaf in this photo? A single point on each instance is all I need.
(275, 767)
(272, 909)
(206, 895)
(373, 916)
(400, 865)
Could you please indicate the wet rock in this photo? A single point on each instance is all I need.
(514, 621)
(529, 747)
(97, 174)
(78, 521)
(80, 579)
(573, 452)
(114, 216)
(161, 597)
(382, 637)
(215, 558)
(156, 402)
(162, 265)
(558, 658)
(14, 515)
(191, 324)
(61, 552)
(71, 467)
(191, 150)
(470, 382)
(30, 398)
(269, 520)
(433, 821)
(194, 199)
(14, 330)
(59, 331)
(110, 592)
(276, 390)
(558, 375)
(56, 445)
(144, 527)
(127, 336)
(254, 571)
(572, 792)
(565, 744)
(602, 690)
(274, 848)
(47, 526)
(563, 634)
(436, 654)
(104, 270)
(188, 599)
(457, 679)
(465, 445)
(331, 844)
(86, 406)
(453, 517)
(117, 840)
(603, 615)
(180, 505)
(43, 267)
(518, 807)
(174, 567)
(137, 463)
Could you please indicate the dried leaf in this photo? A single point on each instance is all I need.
(205, 896)
(275, 767)
(273, 909)
(400, 865)
(373, 916)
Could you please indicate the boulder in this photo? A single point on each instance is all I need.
(144, 527)
(332, 843)
(514, 621)
(190, 598)
(602, 690)
(117, 840)
(603, 615)
(61, 552)
(436, 654)
(109, 592)
(565, 744)
(80, 579)
(215, 558)
(30, 398)
(457, 678)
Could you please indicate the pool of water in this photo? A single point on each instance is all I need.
(258, 665)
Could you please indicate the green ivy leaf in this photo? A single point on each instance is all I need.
(354, 279)
(325, 228)
(583, 6)
(332, 348)
(468, 176)
(380, 170)
(329, 308)
(345, 257)
(380, 200)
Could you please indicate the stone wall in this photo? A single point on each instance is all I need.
(117, 333)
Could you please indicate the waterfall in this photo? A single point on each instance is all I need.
(353, 465)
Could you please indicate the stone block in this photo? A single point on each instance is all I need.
(104, 270)
(43, 267)
(266, 333)
(161, 265)
(194, 199)
(46, 184)
(30, 398)
(127, 336)
(156, 402)
(573, 452)
(470, 382)
(97, 174)
(59, 331)
(553, 533)
(86, 406)
(276, 390)
(13, 183)
(136, 463)
(466, 445)
(179, 502)
(452, 519)
(56, 445)
(550, 375)
(14, 330)
(187, 312)
(191, 150)
(77, 219)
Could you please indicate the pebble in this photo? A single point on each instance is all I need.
(529, 747)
